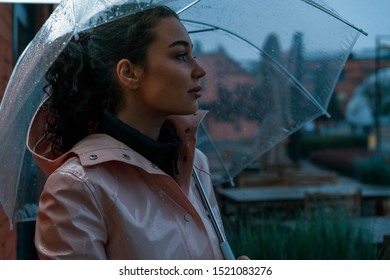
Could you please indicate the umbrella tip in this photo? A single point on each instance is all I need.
(231, 182)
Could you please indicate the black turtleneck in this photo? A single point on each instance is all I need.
(163, 152)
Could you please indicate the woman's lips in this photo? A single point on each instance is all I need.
(196, 91)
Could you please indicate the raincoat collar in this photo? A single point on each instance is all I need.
(163, 153)
(185, 127)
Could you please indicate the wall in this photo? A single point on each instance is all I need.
(6, 63)
(7, 237)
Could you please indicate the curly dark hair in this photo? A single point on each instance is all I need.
(81, 82)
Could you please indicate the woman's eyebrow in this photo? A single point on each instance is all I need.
(179, 43)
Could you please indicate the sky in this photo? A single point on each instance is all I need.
(373, 16)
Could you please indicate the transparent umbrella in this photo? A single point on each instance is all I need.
(272, 66)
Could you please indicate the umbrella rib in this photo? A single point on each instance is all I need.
(203, 30)
(188, 6)
(231, 182)
(280, 66)
(333, 14)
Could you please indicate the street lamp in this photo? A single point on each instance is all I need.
(378, 94)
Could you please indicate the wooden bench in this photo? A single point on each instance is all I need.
(333, 204)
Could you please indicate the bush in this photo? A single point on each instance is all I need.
(373, 170)
(317, 238)
(340, 160)
(311, 143)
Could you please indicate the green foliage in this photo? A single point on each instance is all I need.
(316, 238)
(374, 170)
(315, 142)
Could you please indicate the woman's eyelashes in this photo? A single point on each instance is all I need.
(182, 57)
(185, 56)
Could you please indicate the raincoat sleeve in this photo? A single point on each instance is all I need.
(69, 224)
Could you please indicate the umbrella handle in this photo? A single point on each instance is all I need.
(223, 244)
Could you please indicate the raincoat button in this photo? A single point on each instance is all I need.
(125, 156)
(187, 217)
(187, 130)
(154, 166)
(93, 157)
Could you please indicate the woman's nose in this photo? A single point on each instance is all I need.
(198, 71)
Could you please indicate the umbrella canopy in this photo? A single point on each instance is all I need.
(272, 67)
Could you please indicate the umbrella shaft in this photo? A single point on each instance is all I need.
(208, 207)
(223, 244)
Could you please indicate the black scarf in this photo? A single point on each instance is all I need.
(163, 152)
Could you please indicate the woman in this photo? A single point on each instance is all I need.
(116, 139)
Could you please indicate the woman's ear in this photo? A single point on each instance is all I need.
(128, 74)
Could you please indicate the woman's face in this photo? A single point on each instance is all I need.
(170, 81)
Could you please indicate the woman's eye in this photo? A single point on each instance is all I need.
(182, 57)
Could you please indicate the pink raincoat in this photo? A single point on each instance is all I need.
(103, 200)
